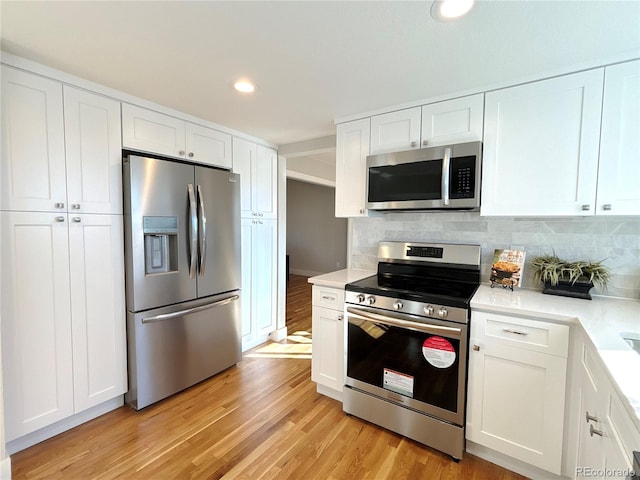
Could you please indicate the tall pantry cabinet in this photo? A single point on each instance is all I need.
(258, 169)
(61, 238)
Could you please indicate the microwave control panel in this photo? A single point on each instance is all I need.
(463, 177)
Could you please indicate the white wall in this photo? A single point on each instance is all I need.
(316, 240)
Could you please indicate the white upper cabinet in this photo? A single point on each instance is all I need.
(208, 146)
(33, 155)
(352, 148)
(395, 131)
(619, 168)
(452, 121)
(154, 132)
(258, 170)
(541, 147)
(93, 152)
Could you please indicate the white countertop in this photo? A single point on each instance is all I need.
(602, 318)
(340, 278)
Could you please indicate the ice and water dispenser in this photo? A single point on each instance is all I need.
(160, 244)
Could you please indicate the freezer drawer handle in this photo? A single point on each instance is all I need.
(169, 316)
(193, 232)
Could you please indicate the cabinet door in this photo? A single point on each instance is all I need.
(541, 147)
(97, 308)
(264, 275)
(265, 185)
(36, 321)
(33, 160)
(395, 131)
(352, 148)
(619, 168)
(244, 156)
(327, 362)
(209, 146)
(154, 132)
(246, 235)
(516, 403)
(94, 152)
(453, 121)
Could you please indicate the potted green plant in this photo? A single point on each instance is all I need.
(569, 279)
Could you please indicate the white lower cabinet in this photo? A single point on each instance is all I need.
(63, 316)
(259, 280)
(327, 363)
(516, 387)
(606, 435)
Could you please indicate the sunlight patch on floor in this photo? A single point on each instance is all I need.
(297, 345)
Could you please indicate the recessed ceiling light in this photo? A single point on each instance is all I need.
(447, 10)
(244, 86)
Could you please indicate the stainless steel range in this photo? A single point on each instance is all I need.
(406, 343)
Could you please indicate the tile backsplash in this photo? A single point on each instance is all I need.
(616, 240)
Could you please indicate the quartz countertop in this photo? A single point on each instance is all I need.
(340, 278)
(603, 319)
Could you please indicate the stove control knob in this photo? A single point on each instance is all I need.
(398, 306)
(442, 313)
(428, 310)
(360, 298)
(371, 300)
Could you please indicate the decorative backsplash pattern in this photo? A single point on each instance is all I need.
(616, 240)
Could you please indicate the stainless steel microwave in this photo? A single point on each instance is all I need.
(436, 178)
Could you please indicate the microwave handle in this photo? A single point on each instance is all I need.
(445, 176)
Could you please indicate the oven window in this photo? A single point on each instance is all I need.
(406, 181)
(415, 364)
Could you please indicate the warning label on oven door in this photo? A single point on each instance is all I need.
(398, 382)
(439, 352)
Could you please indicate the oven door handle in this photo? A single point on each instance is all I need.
(386, 320)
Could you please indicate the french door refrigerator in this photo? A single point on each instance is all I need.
(182, 251)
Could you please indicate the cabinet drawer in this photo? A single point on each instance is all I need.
(524, 333)
(328, 297)
(621, 427)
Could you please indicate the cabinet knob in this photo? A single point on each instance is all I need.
(75, 206)
(476, 348)
(77, 219)
(413, 144)
(606, 206)
(361, 210)
(190, 154)
(59, 205)
(181, 153)
(340, 317)
(424, 142)
(60, 219)
(593, 431)
(591, 418)
(586, 208)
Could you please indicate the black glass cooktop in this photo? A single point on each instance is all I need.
(440, 291)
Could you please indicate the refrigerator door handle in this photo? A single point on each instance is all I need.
(169, 316)
(202, 232)
(193, 232)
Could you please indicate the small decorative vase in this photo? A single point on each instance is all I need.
(568, 289)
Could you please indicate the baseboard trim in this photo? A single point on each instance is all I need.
(278, 335)
(305, 273)
(68, 423)
(329, 392)
(5, 469)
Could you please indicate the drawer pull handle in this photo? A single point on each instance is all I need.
(516, 332)
(476, 348)
(331, 299)
(591, 418)
(593, 431)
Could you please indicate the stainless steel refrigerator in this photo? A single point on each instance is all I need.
(182, 250)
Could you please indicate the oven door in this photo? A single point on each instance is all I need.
(412, 361)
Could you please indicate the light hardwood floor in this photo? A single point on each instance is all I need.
(259, 420)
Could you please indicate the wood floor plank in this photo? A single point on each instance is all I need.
(261, 419)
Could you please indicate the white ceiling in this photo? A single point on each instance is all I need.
(313, 61)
